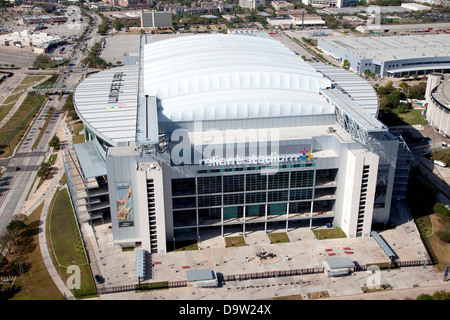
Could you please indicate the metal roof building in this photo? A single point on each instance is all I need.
(202, 278)
(392, 55)
(217, 133)
(338, 266)
(217, 77)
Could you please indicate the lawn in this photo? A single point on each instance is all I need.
(183, 245)
(394, 118)
(237, 241)
(291, 297)
(334, 233)
(318, 295)
(67, 244)
(15, 127)
(28, 81)
(421, 196)
(412, 117)
(278, 237)
(38, 284)
(440, 248)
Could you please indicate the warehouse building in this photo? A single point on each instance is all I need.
(216, 134)
(393, 56)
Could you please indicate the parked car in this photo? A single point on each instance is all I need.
(99, 279)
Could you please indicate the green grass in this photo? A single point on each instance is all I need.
(5, 108)
(278, 237)
(38, 283)
(412, 117)
(49, 82)
(394, 118)
(78, 138)
(335, 233)
(67, 244)
(28, 81)
(183, 245)
(237, 241)
(15, 127)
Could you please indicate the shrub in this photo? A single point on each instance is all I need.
(441, 210)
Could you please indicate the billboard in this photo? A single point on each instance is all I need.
(124, 200)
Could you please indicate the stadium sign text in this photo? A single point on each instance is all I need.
(274, 157)
(114, 90)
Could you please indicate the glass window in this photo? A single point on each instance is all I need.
(280, 180)
(185, 202)
(233, 183)
(233, 198)
(301, 179)
(277, 196)
(209, 185)
(302, 194)
(210, 201)
(256, 182)
(182, 187)
(276, 208)
(255, 210)
(255, 197)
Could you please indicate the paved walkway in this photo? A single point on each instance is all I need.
(45, 194)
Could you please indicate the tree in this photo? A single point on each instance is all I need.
(54, 143)
(403, 86)
(346, 64)
(441, 210)
(45, 169)
(15, 226)
(385, 103)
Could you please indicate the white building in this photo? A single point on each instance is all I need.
(217, 134)
(393, 55)
(330, 3)
(437, 95)
(250, 4)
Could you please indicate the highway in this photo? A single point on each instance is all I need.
(22, 167)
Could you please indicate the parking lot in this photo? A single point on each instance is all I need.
(119, 44)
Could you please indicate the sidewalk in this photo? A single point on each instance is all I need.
(400, 294)
(45, 193)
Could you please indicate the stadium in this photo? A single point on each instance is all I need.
(437, 96)
(210, 135)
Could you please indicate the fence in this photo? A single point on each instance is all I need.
(396, 264)
(272, 274)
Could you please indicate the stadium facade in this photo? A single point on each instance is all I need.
(437, 95)
(210, 135)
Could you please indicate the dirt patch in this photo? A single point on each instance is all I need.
(440, 248)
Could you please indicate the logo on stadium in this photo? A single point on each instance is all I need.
(115, 106)
(306, 155)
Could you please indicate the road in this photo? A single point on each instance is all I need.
(22, 167)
